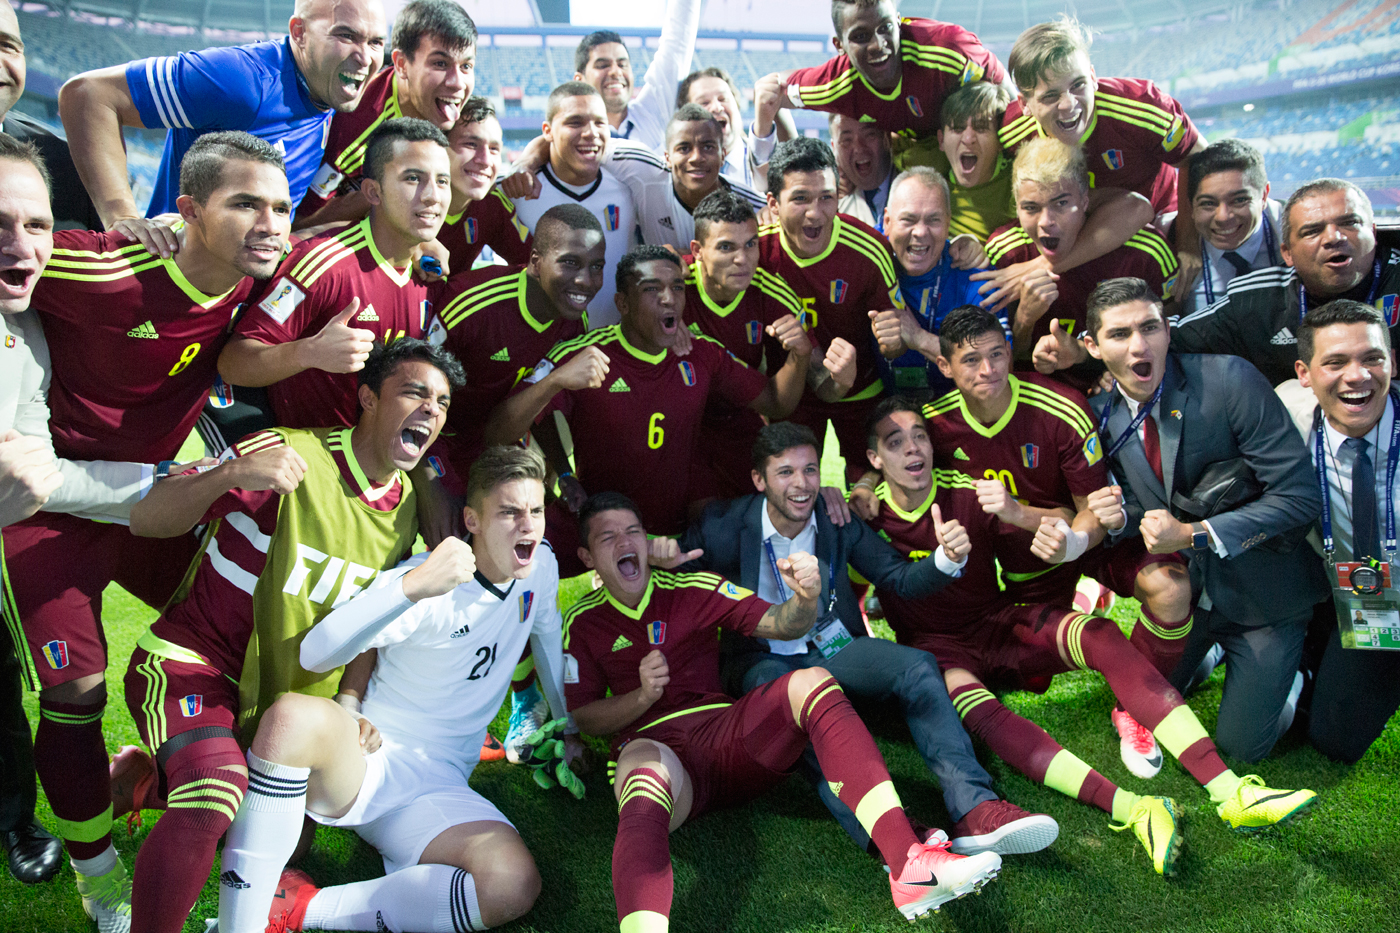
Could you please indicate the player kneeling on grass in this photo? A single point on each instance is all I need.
(447, 625)
(685, 747)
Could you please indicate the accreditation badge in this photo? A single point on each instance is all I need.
(830, 636)
(1368, 608)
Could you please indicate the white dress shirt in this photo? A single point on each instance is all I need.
(769, 588)
(1340, 462)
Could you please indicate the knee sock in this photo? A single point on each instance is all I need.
(423, 898)
(1032, 751)
(261, 839)
(1161, 643)
(70, 757)
(174, 861)
(524, 675)
(1098, 645)
(641, 864)
(856, 772)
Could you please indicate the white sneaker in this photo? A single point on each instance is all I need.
(107, 899)
(1137, 747)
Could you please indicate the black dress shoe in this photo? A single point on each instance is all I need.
(35, 855)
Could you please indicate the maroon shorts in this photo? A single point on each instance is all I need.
(1115, 567)
(167, 697)
(1014, 648)
(58, 566)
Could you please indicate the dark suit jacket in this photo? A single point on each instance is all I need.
(1217, 408)
(732, 535)
(71, 205)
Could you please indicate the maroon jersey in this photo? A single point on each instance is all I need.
(680, 615)
(1044, 450)
(935, 59)
(1136, 136)
(134, 347)
(488, 222)
(739, 325)
(315, 283)
(345, 143)
(838, 288)
(213, 614)
(636, 434)
(483, 319)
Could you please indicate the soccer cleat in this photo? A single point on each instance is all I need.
(1136, 746)
(492, 749)
(1157, 824)
(1002, 827)
(528, 712)
(107, 899)
(933, 875)
(1253, 806)
(132, 776)
(295, 889)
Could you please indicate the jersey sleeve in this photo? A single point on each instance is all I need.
(261, 505)
(288, 309)
(584, 678)
(1081, 452)
(826, 87)
(377, 617)
(738, 609)
(212, 88)
(502, 230)
(1180, 135)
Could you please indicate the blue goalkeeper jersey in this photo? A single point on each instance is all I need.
(256, 88)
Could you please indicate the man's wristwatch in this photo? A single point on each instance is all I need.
(1200, 537)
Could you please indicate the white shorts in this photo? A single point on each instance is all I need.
(407, 800)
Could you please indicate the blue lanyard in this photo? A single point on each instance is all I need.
(1392, 458)
(1144, 410)
(1269, 248)
(1370, 296)
(778, 577)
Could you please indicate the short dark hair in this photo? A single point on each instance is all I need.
(721, 206)
(562, 217)
(803, 154)
(683, 92)
(566, 90)
(1110, 293)
(601, 502)
(1226, 155)
(981, 104)
(883, 409)
(838, 5)
(964, 324)
(502, 464)
(15, 151)
(379, 148)
(1340, 311)
(629, 271)
(1321, 186)
(441, 19)
(773, 439)
(202, 168)
(586, 45)
(384, 359)
(474, 110)
(690, 113)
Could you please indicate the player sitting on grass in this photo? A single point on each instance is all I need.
(981, 637)
(447, 625)
(642, 665)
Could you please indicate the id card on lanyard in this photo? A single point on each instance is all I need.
(1363, 594)
(829, 634)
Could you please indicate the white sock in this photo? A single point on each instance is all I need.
(424, 898)
(263, 836)
(97, 865)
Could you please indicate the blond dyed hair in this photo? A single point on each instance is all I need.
(1044, 50)
(1046, 161)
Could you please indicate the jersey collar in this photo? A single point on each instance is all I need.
(715, 307)
(830, 245)
(887, 497)
(399, 277)
(652, 358)
(1003, 421)
(198, 297)
(522, 289)
(340, 440)
(634, 614)
(493, 589)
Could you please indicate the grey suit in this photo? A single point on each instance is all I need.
(1217, 408)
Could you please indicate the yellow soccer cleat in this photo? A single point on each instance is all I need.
(1156, 821)
(1253, 806)
(107, 899)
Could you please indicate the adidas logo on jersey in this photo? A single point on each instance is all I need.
(619, 386)
(622, 642)
(1283, 338)
(959, 455)
(501, 356)
(368, 314)
(464, 630)
(230, 879)
(146, 331)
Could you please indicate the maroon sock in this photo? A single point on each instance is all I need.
(1024, 745)
(70, 757)
(641, 864)
(174, 861)
(1161, 643)
(854, 768)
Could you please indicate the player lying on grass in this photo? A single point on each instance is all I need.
(981, 637)
(448, 625)
(684, 747)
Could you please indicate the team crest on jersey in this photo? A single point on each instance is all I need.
(1030, 456)
(916, 108)
(1093, 450)
(437, 466)
(838, 291)
(283, 301)
(1389, 306)
(470, 228)
(687, 372)
(613, 215)
(527, 599)
(9, 341)
(656, 632)
(1178, 130)
(754, 331)
(220, 394)
(192, 705)
(971, 74)
(56, 653)
(1114, 158)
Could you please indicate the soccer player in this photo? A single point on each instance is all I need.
(843, 273)
(431, 73)
(642, 664)
(133, 339)
(283, 92)
(713, 89)
(336, 294)
(979, 174)
(576, 128)
(480, 214)
(983, 639)
(302, 521)
(602, 60)
(440, 621)
(1330, 244)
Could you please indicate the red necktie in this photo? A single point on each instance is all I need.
(1152, 446)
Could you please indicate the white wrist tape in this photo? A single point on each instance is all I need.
(1076, 542)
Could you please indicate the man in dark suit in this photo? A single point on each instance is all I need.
(1170, 418)
(743, 539)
